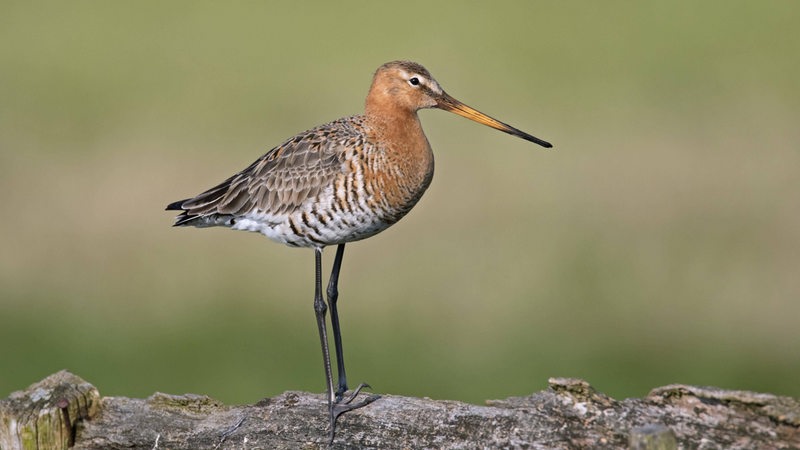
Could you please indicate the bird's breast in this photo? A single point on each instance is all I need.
(375, 189)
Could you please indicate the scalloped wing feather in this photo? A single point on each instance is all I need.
(279, 182)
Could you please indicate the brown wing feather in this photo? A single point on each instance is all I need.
(281, 180)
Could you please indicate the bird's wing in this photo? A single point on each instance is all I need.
(281, 180)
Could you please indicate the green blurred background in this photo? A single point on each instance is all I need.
(659, 242)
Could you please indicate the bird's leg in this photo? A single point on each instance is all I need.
(333, 295)
(341, 404)
(319, 310)
(336, 405)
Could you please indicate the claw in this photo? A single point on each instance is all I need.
(355, 393)
(342, 405)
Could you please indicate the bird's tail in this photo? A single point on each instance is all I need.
(192, 218)
(184, 218)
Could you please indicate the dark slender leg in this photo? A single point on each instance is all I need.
(333, 295)
(336, 404)
(319, 310)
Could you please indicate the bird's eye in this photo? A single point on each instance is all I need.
(414, 81)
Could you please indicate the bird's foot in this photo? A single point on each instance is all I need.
(343, 404)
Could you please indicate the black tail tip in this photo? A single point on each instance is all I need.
(176, 206)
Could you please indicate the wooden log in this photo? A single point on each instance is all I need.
(63, 411)
(45, 415)
(652, 437)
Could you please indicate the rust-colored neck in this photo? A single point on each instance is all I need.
(406, 152)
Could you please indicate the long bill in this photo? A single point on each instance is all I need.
(448, 103)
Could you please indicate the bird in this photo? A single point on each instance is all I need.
(338, 183)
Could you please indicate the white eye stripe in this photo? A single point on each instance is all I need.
(434, 86)
(416, 80)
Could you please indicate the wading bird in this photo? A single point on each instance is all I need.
(337, 183)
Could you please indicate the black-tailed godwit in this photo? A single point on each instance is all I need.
(337, 183)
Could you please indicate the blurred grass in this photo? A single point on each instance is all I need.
(658, 243)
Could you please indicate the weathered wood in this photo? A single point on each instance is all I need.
(45, 415)
(569, 415)
(652, 437)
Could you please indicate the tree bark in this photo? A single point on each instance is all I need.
(63, 411)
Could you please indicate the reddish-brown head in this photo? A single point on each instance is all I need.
(405, 86)
(402, 85)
